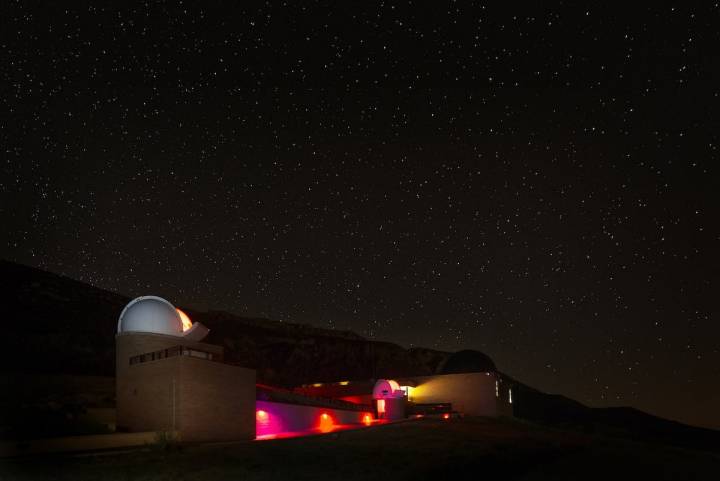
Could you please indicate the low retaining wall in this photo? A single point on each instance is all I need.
(272, 419)
(76, 443)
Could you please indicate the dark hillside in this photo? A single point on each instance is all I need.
(560, 411)
(64, 326)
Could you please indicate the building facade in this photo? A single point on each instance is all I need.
(168, 380)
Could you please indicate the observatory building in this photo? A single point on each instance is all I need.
(389, 399)
(168, 380)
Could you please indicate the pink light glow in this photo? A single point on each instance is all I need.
(311, 432)
(446, 416)
(267, 423)
(280, 420)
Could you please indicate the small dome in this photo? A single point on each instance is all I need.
(466, 361)
(387, 388)
(150, 314)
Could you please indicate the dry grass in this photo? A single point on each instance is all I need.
(425, 449)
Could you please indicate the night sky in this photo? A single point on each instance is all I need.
(539, 183)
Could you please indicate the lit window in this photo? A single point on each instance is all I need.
(510, 396)
(497, 388)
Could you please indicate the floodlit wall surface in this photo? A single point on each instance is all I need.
(472, 394)
(129, 344)
(146, 409)
(279, 418)
(145, 395)
(201, 400)
(391, 409)
(217, 401)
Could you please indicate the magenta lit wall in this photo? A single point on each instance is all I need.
(278, 419)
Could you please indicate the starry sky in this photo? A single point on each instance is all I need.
(538, 182)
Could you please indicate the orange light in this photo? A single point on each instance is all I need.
(446, 416)
(326, 423)
(261, 415)
(186, 322)
(381, 406)
(367, 420)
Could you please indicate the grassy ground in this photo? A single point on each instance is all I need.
(425, 449)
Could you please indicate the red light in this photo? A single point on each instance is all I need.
(367, 420)
(446, 416)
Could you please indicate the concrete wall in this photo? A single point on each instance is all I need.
(147, 396)
(199, 399)
(472, 394)
(157, 381)
(279, 418)
(393, 408)
(129, 344)
(216, 401)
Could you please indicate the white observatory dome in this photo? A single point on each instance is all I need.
(150, 314)
(387, 388)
